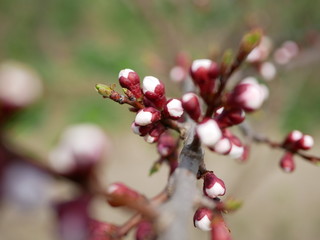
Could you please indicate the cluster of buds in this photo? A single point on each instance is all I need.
(294, 142)
(153, 109)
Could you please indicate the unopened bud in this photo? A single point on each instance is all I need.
(213, 186)
(20, 86)
(104, 90)
(202, 219)
(173, 108)
(268, 71)
(223, 146)
(147, 116)
(219, 230)
(155, 133)
(292, 139)
(248, 94)
(204, 72)
(130, 79)
(101, 230)
(145, 231)
(287, 162)
(167, 144)
(209, 132)
(230, 117)
(154, 92)
(191, 104)
(306, 142)
(140, 130)
(249, 42)
(119, 194)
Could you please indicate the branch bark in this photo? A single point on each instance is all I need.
(176, 213)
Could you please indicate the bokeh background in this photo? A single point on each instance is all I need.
(73, 44)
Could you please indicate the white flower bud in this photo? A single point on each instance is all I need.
(268, 71)
(174, 108)
(150, 83)
(205, 63)
(209, 132)
(143, 118)
(125, 73)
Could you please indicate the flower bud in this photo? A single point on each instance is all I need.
(167, 144)
(219, 230)
(306, 142)
(101, 230)
(147, 116)
(119, 194)
(202, 219)
(213, 186)
(261, 52)
(145, 231)
(73, 218)
(178, 74)
(223, 146)
(268, 71)
(19, 85)
(230, 117)
(287, 162)
(130, 79)
(173, 109)
(140, 130)
(155, 133)
(209, 132)
(191, 104)
(248, 95)
(204, 72)
(292, 140)
(237, 149)
(154, 92)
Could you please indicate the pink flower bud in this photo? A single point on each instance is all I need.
(292, 140)
(306, 142)
(155, 133)
(287, 162)
(204, 72)
(101, 230)
(178, 74)
(248, 95)
(167, 144)
(191, 104)
(119, 194)
(219, 230)
(213, 186)
(202, 219)
(282, 56)
(130, 79)
(73, 219)
(19, 85)
(154, 92)
(230, 117)
(223, 146)
(268, 71)
(140, 130)
(209, 132)
(145, 231)
(173, 108)
(147, 116)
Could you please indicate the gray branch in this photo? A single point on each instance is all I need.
(176, 214)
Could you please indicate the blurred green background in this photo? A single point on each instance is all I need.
(74, 44)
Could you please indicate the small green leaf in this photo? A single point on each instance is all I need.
(232, 205)
(251, 40)
(104, 90)
(155, 168)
